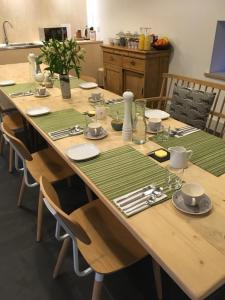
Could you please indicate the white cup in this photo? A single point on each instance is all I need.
(41, 90)
(192, 193)
(154, 124)
(94, 128)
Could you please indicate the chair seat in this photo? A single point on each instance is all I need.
(48, 163)
(13, 121)
(112, 247)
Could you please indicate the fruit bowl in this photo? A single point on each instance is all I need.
(161, 47)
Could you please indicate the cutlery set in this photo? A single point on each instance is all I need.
(21, 94)
(139, 200)
(59, 134)
(183, 131)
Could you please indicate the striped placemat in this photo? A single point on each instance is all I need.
(208, 150)
(19, 88)
(122, 170)
(74, 82)
(60, 119)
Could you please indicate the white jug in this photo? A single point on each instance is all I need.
(179, 157)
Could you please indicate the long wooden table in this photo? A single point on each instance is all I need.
(191, 249)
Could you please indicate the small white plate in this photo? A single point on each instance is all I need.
(204, 206)
(38, 111)
(7, 82)
(82, 151)
(42, 96)
(88, 85)
(156, 113)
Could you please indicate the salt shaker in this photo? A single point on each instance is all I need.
(127, 123)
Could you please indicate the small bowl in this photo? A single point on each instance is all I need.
(161, 47)
(117, 124)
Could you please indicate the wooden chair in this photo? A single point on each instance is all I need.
(103, 241)
(216, 119)
(46, 162)
(14, 121)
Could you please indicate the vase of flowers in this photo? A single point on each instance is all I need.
(61, 57)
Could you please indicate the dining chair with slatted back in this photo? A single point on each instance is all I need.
(212, 110)
(14, 121)
(106, 245)
(45, 161)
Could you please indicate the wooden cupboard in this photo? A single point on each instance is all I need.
(135, 70)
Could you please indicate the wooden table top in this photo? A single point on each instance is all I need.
(191, 249)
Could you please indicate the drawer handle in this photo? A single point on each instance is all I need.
(132, 62)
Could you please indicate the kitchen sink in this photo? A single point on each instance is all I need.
(19, 45)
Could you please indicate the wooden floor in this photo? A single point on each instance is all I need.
(26, 266)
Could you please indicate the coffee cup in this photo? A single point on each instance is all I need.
(94, 128)
(95, 97)
(154, 124)
(192, 193)
(41, 90)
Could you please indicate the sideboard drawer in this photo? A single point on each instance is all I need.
(133, 64)
(113, 59)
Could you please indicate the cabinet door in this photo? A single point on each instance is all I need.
(134, 82)
(113, 79)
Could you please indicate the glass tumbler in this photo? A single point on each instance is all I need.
(174, 180)
(139, 126)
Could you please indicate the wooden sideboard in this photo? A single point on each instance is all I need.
(135, 70)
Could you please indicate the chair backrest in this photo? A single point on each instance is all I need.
(18, 145)
(216, 120)
(51, 200)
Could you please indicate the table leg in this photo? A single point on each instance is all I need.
(158, 279)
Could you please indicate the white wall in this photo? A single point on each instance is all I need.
(27, 15)
(190, 25)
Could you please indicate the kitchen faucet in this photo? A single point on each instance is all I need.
(5, 33)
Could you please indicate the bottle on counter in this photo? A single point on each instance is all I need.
(92, 34)
(141, 42)
(86, 33)
(148, 38)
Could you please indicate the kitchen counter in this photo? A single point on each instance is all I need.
(38, 44)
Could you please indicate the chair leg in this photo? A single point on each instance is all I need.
(19, 201)
(40, 216)
(61, 257)
(11, 159)
(2, 141)
(89, 193)
(69, 182)
(97, 289)
(158, 279)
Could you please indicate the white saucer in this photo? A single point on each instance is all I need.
(82, 151)
(38, 111)
(204, 206)
(7, 82)
(103, 134)
(156, 113)
(42, 96)
(88, 85)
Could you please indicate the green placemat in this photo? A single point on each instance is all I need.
(59, 120)
(122, 170)
(74, 82)
(208, 150)
(19, 88)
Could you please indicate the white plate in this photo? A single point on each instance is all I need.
(82, 151)
(7, 82)
(88, 85)
(37, 111)
(156, 113)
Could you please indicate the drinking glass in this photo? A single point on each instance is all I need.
(163, 134)
(174, 178)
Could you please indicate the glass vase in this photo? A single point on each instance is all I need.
(139, 132)
(65, 86)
